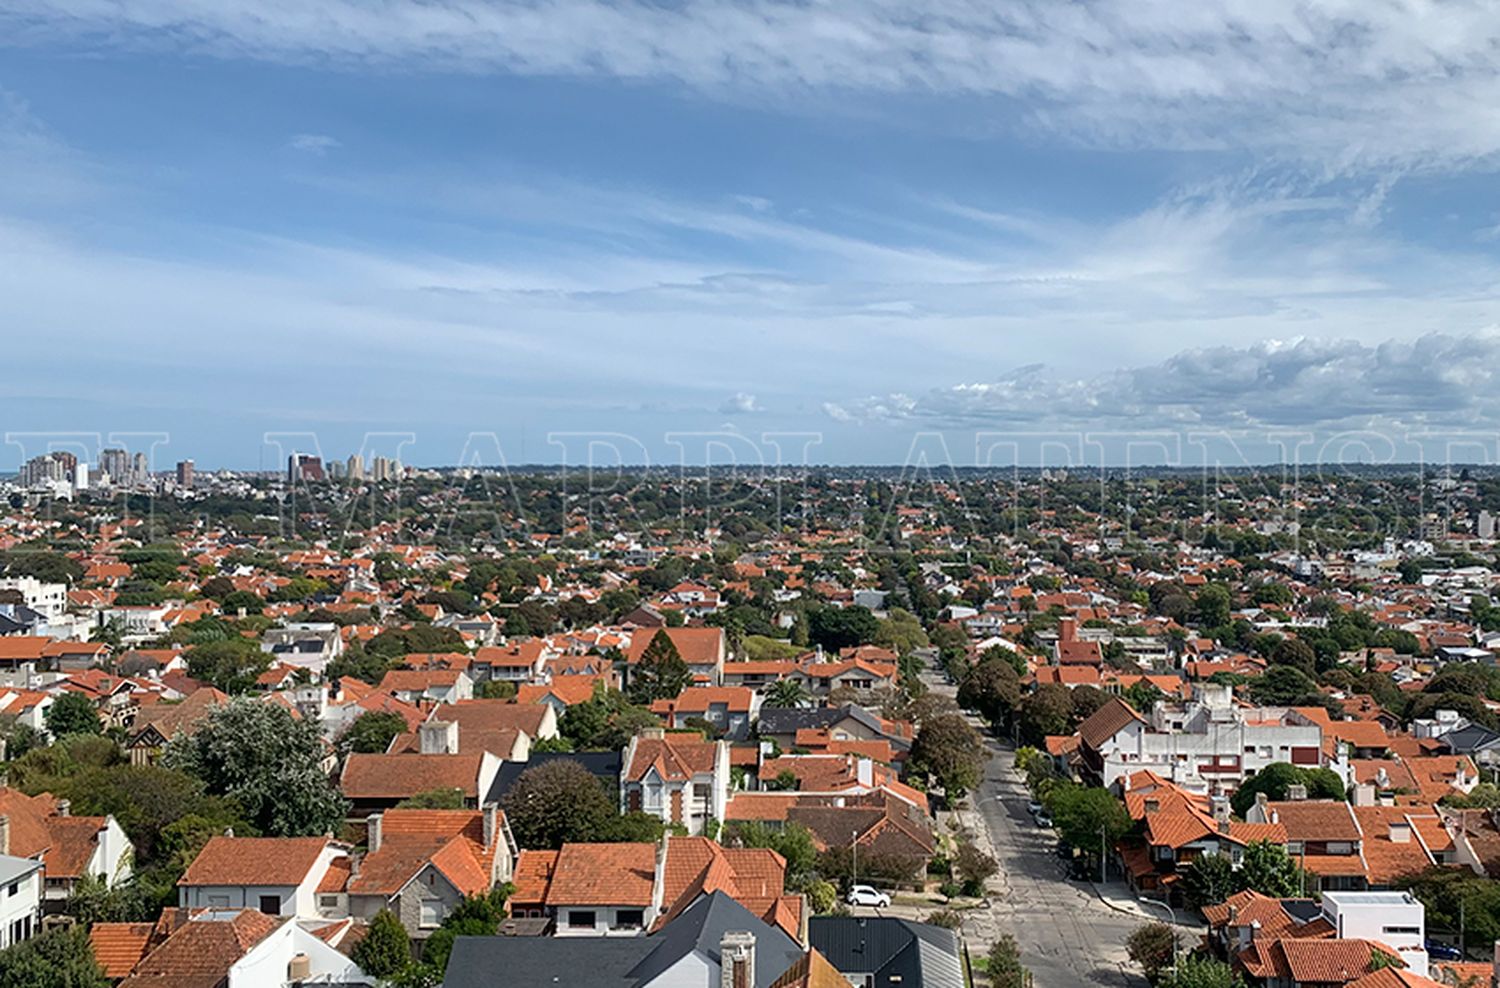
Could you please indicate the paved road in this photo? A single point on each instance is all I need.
(1067, 935)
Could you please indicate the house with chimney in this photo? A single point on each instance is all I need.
(715, 943)
(420, 864)
(679, 778)
(43, 828)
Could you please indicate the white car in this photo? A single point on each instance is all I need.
(1034, 807)
(864, 895)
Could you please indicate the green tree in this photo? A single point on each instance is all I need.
(1154, 947)
(949, 749)
(1451, 895)
(1208, 880)
(1282, 686)
(1195, 971)
(267, 761)
(434, 799)
(232, 665)
(1004, 964)
(1046, 712)
(1084, 816)
(1277, 779)
(787, 693)
(372, 731)
(60, 958)
(842, 627)
(385, 949)
(1212, 605)
(557, 802)
(242, 600)
(1297, 654)
(991, 689)
(822, 896)
(1266, 868)
(72, 713)
(660, 674)
(974, 868)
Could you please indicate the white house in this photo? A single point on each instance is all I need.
(279, 876)
(1396, 919)
(679, 778)
(20, 899)
(292, 956)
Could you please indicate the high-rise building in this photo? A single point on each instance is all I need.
(49, 468)
(140, 469)
(304, 466)
(185, 474)
(355, 467)
(81, 477)
(115, 463)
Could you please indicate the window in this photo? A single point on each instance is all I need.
(13, 889)
(629, 919)
(328, 901)
(701, 791)
(1409, 931)
(218, 902)
(432, 913)
(581, 919)
(270, 905)
(1294, 847)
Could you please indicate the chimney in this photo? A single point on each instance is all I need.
(372, 840)
(653, 733)
(299, 969)
(1497, 960)
(1220, 806)
(865, 772)
(4, 834)
(64, 807)
(438, 737)
(1296, 792)
(1401, 831)
(737, 960)
(491, 813)
(1364, 794)
(1262, 808)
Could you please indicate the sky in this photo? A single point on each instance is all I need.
(468, 230)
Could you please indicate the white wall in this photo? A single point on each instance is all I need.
(267, 963)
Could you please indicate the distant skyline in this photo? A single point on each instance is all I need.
(220, 220)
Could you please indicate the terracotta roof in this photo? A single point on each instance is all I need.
(603, 875)
(697, 646)
(401, 776)
(119, 946)
(74, 840)
(675, 756)
(1315, 820)
(254, 861)
(533, 876)
(451, 840)
(199, 952)
(1107, 721)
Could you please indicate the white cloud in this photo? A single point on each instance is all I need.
(318, 144)
(1348, 81)
(1436, 379)
(740, 403)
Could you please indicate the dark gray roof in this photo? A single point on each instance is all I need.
(544, 962)
(790, 720)
(702, 926)
(923, 955)
(605, 765)
(1468, 739)
(619, 962)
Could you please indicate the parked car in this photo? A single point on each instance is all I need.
(1034, 807)
(864, 895)
(1443, 951)
(1043, 820)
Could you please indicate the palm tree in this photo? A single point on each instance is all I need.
(787, 693)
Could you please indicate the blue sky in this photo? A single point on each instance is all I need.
(220, 220)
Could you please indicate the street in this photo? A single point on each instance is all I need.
(1067, 935)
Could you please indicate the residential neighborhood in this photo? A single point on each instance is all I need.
(681, 757)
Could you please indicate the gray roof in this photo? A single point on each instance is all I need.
(789, 720)
(922, 955)
(605, 766)
(13, 868)
(619, 962)
(1470, 738)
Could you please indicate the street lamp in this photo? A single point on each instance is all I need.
(1172, 917)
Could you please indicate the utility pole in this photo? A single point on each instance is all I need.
(1462, 955)
(854, 850)
(1103, 858)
